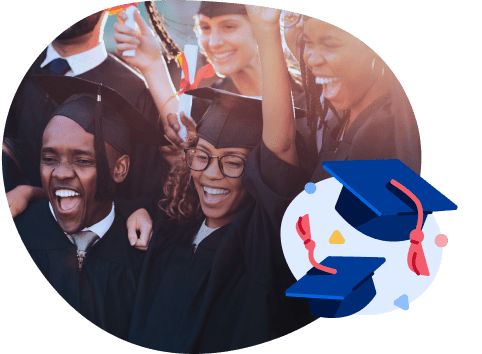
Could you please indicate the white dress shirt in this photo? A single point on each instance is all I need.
(79, 63)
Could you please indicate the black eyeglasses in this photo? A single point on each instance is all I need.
(230, 165)
(289, 19)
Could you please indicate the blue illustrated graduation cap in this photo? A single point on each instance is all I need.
(371, 204)
(383, 199)
(341, 294)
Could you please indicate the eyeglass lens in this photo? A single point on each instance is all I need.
(231, 166)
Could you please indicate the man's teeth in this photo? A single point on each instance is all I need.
(65, 193)
(222, 56)
(327, 80)
(215, 191)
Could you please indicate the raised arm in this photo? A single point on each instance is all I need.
(278, 117)
(151, 63)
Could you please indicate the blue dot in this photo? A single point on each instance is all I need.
(310, 188)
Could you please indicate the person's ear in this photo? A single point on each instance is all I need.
(121, 168)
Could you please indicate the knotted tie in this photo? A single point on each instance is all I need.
(58, 66)
(83, 240)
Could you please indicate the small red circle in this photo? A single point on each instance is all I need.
(441, 240)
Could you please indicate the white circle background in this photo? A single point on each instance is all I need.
(393, 279)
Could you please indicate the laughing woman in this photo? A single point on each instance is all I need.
(378, 121)
(214, 274)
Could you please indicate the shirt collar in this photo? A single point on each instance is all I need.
(79, 63)
(101, 228)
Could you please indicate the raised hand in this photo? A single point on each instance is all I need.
(147, 46)
(266, 16)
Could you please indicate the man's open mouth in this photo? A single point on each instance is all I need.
(67, 199)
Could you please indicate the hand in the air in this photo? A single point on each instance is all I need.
(263, 16)
(146, 45)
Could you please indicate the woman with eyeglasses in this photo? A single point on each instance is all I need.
(214, 274)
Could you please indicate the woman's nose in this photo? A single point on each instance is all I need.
(313, 58)
(213, 171)
(215, 38)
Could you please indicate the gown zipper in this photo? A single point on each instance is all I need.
(80, 258)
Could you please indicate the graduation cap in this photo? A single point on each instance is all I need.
(215, 9)
(104, 113)
(341, 294)
(231, 120)
(374, 206)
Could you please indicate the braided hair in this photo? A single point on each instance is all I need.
(156, 19)
(313, 92)
(315, 111)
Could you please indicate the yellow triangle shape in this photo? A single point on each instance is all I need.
(337, 238)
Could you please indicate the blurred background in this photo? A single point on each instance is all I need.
(179, 22)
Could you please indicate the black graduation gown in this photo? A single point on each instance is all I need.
(308, 151)
(104, 290)
(375, 134)
(229, 294)
(31, 109)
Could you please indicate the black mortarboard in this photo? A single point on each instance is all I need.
(104, 113)
(214, 9)
(341, 294)
(374, 206)
(231, 120)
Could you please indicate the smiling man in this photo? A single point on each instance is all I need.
(78, 237)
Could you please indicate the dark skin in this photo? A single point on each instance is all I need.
(69, 174)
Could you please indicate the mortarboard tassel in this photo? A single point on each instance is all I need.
(105, 187)
(206, 72)
(303, 228)
(416, 258)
